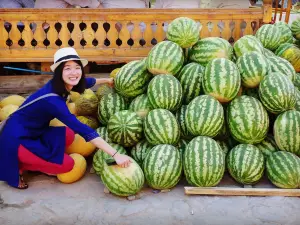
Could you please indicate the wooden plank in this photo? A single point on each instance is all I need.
(230, 191)
(20, 84)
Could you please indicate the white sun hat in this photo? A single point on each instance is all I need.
(66, 54)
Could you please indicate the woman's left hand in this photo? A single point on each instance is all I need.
(110, 82)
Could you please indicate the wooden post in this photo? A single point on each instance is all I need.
(288, 11)
(45, 66)
(267, 8)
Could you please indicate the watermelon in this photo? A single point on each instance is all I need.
(141, 105)
(267, 146)
(246, 164)
(140, 151)
(248, 120)
(165, 92)
(253, 67)
(223, 133)
(110, 104)
(268, 53)
(269, 35)
(161, 127)
(181, 119)
(204, 116)
(283, 66)
(283, 169)
(204, 162)
(190, 78)
(102, 131)
(221, 80)
(286, 35)
(291, 53)
(297, 81)
(277, 93)
(162, 167)
(100, 157)
(287, 131)
(297, 96)
(104, 89)
(165, 58)
(125, 128)
(247, 43)
(295, 28)
(210, 48)
(182, 144)
(184, 31)
(123, 181)
(132, 79)
(224, 146)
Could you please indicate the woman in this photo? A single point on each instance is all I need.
(27, 142)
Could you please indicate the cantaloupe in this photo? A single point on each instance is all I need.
(87, 103)
(7, 110)
(81, 147)
(76, 173)
(12, 100)
(74, 95)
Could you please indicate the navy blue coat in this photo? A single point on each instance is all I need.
(30, 128)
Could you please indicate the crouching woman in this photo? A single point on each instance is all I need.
(27, 142)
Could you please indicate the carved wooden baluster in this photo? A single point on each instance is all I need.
(3, 35)
(14, 35)
(39, 35)
(64, 34)
(88, 35)
(112, 34)
(100, 35)
(226, 33)
(215, 32)
(148, 34)
(52, 35)
(27, 34)
(160, 34)
(76, 35)
(136, 34)
(204, 31)
(124, 34)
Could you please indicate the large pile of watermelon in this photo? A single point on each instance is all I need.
(197, 108)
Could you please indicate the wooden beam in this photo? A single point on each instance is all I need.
(24, 84)
(229, 191)
(267, 9)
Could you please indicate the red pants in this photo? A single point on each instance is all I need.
(29, 161)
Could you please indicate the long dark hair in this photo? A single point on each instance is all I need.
(59, 84)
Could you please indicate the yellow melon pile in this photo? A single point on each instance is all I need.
(9, 105)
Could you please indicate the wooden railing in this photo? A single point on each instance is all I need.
(111, 35)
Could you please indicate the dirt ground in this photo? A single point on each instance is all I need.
(47, 201)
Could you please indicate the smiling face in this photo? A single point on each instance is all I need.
(71, 74)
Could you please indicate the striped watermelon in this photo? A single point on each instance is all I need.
(269, 35)
(102, 131)
(190, 78)
(287, 131)
(162, 167)
(140, 151)
(224, 146)
(247, 43)
(291, 53)
(223, 133)
(184, 31)
(204, 116)
(283, 169)
(182, 144)
(204, 162)
(221, 80)
(267, 146)
(286, 35)
(268, 53)
(161, 127)
(104, 89)
(100, 157)
(248, 120)
(110, 104)
(297, 81)
(297, 96)
(165, 58)
(210, 48)
(132, 79)
(123, 181)
(246, 163)
(181, 119)
(141, 105)
(295, 28)
(283, 66)
(253, 67)
(125, 128)
(165, 92)
(277, 93)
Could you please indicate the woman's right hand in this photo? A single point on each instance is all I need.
(122, 160)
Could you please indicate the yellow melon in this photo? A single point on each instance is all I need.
(71, 107)
(81, 147)
(7, 110)
(76, 173)
(74, 96)
(12, 100)
(114, 73)
(56, 123)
